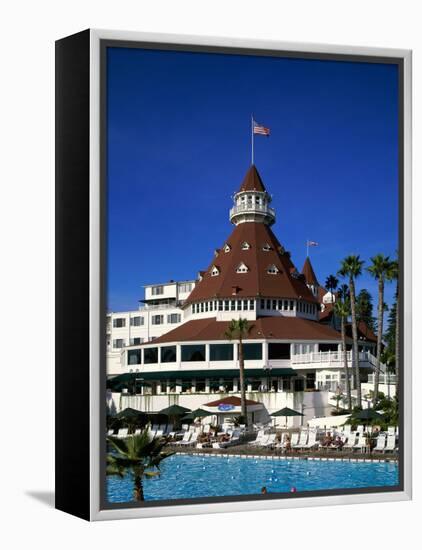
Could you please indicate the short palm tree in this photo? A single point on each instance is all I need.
(342, 310)
(379, 269)
(138, 454)
(238, 329)
(351, 267)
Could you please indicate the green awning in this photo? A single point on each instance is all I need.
(211, 374)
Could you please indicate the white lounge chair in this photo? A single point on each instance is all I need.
(294, 440)
(259, 436)
(159, 433)
(350, 443)
(391, 444)
(391, 430)
(270, 441)
(110, 432)
(186, 438)
(263, 441)
(191, 441)
(168, 429)
(302, 440)
(380, 446)
(123, 432)
(312, 442)
(362, 443)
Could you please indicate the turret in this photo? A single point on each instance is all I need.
(251, 202)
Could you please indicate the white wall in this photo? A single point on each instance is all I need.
(27, 169)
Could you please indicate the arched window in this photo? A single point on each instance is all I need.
(266, 247)
(245, 246)
(227, 248)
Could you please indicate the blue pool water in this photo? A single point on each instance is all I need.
(187, 476)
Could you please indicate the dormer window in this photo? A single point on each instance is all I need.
(215, 271)
(272, 270)
(266, 247)
(245, 246)
(242, 268)
(227, 248)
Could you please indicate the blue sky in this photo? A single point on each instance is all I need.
(179, 146)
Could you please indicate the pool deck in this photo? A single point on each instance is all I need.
(247, 451)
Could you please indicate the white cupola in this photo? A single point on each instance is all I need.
(251, 202)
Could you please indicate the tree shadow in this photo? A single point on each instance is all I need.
(45, 497)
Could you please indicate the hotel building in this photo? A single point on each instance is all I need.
(175, 344)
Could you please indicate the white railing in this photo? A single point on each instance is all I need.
(157, 306)
(383, 379)
(327, 357)
(251, 208)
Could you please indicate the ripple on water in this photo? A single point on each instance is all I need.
(193, 477)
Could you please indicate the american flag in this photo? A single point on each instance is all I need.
(312, 243)
(259, 129)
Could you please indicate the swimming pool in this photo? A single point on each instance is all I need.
(193, 476)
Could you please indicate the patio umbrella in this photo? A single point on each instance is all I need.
(130, 416)
(129, 413)
(174, 412)
(286, 411)
(368, 415)
(198, 413)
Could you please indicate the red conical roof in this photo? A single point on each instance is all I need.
(308, 272)
(262, 252)
(252, 181)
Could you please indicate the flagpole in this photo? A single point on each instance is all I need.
(307, 248)
(252, 144)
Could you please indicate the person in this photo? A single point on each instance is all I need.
(327, 440)
(338, 442)
(287, 444)
(263, 491)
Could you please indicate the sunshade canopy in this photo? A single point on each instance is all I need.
(129, 413)
(174, 410)
(368, 414)
(286, 411)
(198, 413)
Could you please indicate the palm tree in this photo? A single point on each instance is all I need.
(379, 269)
(140, 455)
(343, 292)
(393, 275)
(331, 282)
(238, 329)
(351, 267)
(342, 310)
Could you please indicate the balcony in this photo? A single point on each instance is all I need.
(252, 209)
(151, 307)
(324, 359)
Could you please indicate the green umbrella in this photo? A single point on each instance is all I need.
(129, 414)
(287, 412)
(174, 410)
(368, 414)
(198, 413)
